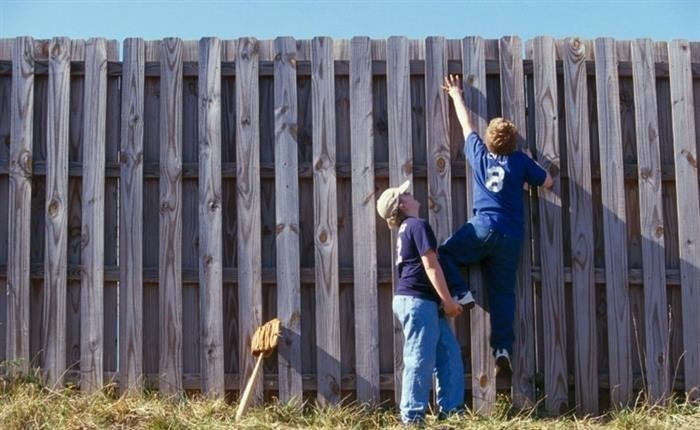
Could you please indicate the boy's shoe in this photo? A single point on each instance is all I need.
(503, 362)
(465, 299)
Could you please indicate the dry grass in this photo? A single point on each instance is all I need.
(25, 404)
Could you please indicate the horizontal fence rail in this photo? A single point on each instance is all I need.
(159, 208)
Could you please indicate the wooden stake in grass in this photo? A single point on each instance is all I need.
(262, 344)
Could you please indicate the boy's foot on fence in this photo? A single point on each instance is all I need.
(465, 299)
(503, 366)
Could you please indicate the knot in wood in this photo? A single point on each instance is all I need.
(213, 205)
(323, 236)
(691, 160)
(165, 207)
(645, 173)
(440, 163)
(483, 380)
(134, 118)
(245, 120)
(659, 231)
(53, 208)
(279, 228)
(208, 259)
(25, 162)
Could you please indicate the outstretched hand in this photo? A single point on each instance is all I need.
(453, 86)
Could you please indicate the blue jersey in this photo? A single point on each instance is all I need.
(414, 239)
(498, 185)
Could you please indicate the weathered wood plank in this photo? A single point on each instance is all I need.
(651, 219)
(437, 141)
(685, 154)
(110, 226)
(547, 141)
(131, 218)
(400, 157)
(363, 222)
(614, 218)
(483, 381)
(325, 220)
(19, 204)
(287, 219)
(93, 216)
(210, 210)
(56, 257)
(6, 47)
(170, 224)
(581, 225)
(248, 205)
(513, 108)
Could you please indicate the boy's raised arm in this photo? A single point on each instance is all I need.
(453, 88)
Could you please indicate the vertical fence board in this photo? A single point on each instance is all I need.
(287, 219)
(19, 196)
(131, 218)
(93, 216)
(325, 218)
(248, 206)
(210, 267)
(170, 225)
(581, 225)
(685, 153)
(110, 227)
(438, 145)
(614, 220)
(554, 320)
(55, 271)
(6, 47)
(363, 221)
(483, 381)
(513, 108)
(400, 157)
(651, 218)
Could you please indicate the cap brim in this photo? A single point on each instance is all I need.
(404, 187)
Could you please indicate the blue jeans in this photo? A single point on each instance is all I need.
(429, 347)
(498, 253)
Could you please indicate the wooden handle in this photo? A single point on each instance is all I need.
(248, 388)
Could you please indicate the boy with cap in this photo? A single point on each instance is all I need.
(429, 344)
(494, 234)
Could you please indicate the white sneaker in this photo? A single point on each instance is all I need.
(503, 362)
(465, 299)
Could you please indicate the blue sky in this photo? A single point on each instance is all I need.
(267, 19)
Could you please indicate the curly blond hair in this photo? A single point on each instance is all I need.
(501, 136)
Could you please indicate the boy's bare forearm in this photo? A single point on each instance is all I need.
(453, 88)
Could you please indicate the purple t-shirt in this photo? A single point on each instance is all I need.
(414, 239)
(498, 180)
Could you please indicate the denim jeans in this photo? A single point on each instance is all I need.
(498, 253)
(429, 348)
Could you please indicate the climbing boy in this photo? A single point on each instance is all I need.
(494, 233)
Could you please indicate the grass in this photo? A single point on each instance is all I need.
(26, 404)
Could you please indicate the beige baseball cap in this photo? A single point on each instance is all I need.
(388, 202)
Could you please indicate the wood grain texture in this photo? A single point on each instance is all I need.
(325, 222)
(210, 219)
(363, 222)
(686, 156)
(437, 141)
(651, 221)
(400, 159)
(56, 257)
(19, 196)
(513, 108)
(614, 220)
(131, 218)
(553, 310)
(287, 219)
(483, 383)
(581, 225)
(170, 220)
(248, 206)
(93, 217)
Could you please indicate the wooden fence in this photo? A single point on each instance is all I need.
(156, 210)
